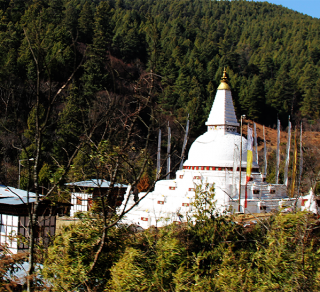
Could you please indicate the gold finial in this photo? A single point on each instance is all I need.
(224, 76)
(224, 81)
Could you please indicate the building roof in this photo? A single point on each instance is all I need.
(7, 192)
(95, 183)
(16, 200)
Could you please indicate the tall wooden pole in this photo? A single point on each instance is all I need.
(240, 168)
(168, 152)
(158, 155)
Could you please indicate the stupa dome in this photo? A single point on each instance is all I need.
(217, 149)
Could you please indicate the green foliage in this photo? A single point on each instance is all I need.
(70, 256)
(213, 253)
(152, 268)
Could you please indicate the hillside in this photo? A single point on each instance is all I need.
(71, 62)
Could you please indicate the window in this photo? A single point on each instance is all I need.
(197, 177)
(181, 176)
(185, 204)
(191, 189)
(144, 219)
(272, 191)
(263, 208)
(79, 201)
(256, 192)
(161, 202)
(172, 188)
(89, 203)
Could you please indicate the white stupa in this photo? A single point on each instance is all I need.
(213, 158)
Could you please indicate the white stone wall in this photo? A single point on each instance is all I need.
(171, 201)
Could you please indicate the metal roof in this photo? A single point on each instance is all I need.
(13, 196)
(16, 200)
(6, 192)
(95, 183)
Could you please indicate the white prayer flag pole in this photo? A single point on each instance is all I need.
(256, 143)
(265, 152)
(168, 152)
(184, 144)
(278, 153)
(158, 155)
(288, 154)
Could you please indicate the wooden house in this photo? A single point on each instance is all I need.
(14, 219)
(84, 193)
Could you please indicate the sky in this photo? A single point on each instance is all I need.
(309, 7)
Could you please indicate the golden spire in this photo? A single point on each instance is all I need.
(224, 81)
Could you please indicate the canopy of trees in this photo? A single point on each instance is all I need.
(272, 55)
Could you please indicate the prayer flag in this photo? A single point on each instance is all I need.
(168, 152)
(288, 155)
(249, 161)
(158, 155)
(256, 144)
(301, 160)
(294, 167)
(265, 153)
(184, 144)
(278, 152)
(249, 152)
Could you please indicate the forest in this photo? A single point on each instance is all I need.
(172, 52)
(85, 87)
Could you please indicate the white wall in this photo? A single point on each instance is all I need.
(83, 206)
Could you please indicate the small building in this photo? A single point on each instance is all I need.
(84, 193)
(310, 203)
(14, 219)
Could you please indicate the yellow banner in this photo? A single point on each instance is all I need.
(249, 163)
